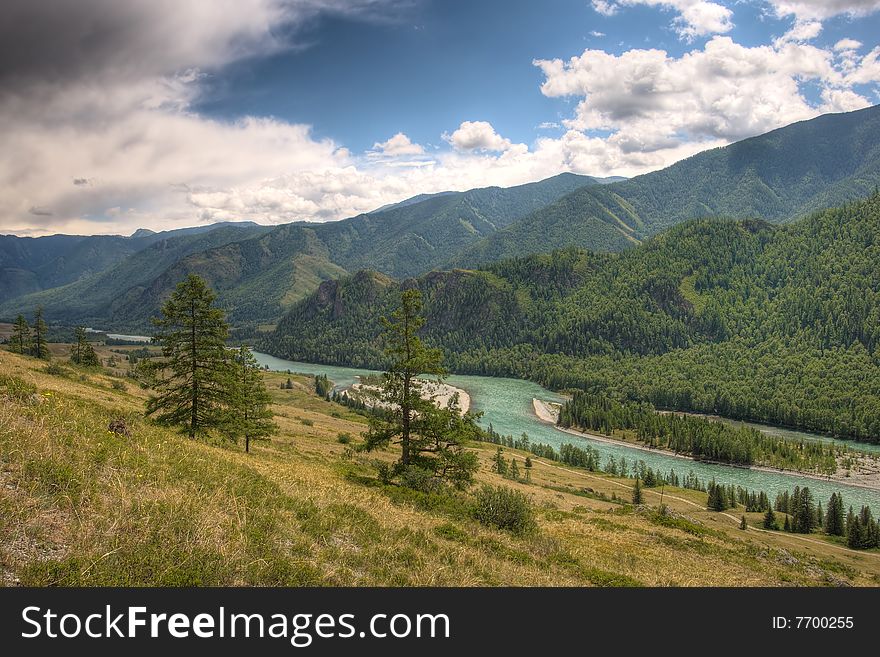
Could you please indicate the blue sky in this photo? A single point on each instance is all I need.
(439, 62)
(164, 113)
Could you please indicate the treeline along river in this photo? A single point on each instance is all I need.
(506, 404)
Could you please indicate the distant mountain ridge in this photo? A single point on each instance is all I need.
(259, 271)
(262, 271)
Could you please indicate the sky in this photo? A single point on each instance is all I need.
(162, 114)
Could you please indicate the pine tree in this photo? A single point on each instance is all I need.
(770, 519)
(743, 524)
(21, 336)
(431, 438)
(193, 386)
(499, 463)
(717, 497)
(637, 496)
(249, 415)
(83, 353)
(853, 531)
(322, 386)
(834, 523)
(514, 470)
(528, 466)
(787, 526)
(39, 345)
(804, 511)
(288, 385)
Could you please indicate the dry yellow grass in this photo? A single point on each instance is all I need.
(79, 505)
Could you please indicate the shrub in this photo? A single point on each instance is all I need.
(56, 370)
(343, 438)
(17, 388)
(119, 385)
(504, 508)
(308, 423)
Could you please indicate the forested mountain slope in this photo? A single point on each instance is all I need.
(105, 296)
(741, 318)
(31, 264)
(778, 176)
(259, 273)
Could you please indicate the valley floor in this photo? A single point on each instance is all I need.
(81, 505)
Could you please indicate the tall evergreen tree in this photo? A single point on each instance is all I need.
(193, 386)
(82, 352)
(853, 531)
(249, 414)
(430, 438)
(834, 522)
(39, 344)
(770, 519)
(21, 336)
(637, 496)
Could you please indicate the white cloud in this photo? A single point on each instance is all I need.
(657, 107)
(105, 138)
(477, 136)
(847, 44)
(396, 146)
(597, 34)
(695, 17)
(801, 31)
(605, 7)
(822, 9)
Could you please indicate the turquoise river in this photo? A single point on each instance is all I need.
(506, 404)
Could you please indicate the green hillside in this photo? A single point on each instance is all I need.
(740, 318)
(31, 264)
(260, 271)
(779, 176)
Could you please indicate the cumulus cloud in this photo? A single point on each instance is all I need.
(477, 136)
(396, 146)
(724, 91)
(801, 31)
(822, 9)
(695, 17)
(100, 134)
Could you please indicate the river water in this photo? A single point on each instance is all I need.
(506, 404)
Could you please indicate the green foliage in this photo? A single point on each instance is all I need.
(637, 495)
(16, 388)
(430, 438)
(323, 386)
(248, 415)
(82, 353)
(699, 437)
(504, 508)
(740, 319)
(193, 384)
(834, 520)
(770, 519)
(20, 341)
(39, 344)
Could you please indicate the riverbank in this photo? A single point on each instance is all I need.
(864, 474)
(441, 394)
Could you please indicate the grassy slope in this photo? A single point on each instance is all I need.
(79, 505)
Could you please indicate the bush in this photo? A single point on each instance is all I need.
(56, 370)
(343, 438)
(419, 479)
(119, 385)
(504, 508)
(17, 388)
(308, 423)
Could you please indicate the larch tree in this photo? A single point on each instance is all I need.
(431, 438)
(193, 385)
(249, 415)
(39, 344)
(82, 352)
(21, 336)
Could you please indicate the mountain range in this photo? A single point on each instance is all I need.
(261, 272)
